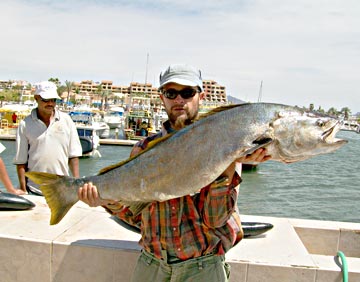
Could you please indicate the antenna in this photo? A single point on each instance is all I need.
(260, 92)
(147, 64)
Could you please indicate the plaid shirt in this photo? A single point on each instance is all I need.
(189, 226)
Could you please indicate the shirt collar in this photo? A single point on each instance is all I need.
(56, 114)
(167, 127)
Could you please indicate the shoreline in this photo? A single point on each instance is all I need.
(107, 141)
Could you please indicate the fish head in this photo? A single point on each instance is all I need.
(300, 135)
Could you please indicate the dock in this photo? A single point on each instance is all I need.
(89, 245)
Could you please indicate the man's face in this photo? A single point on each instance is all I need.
(181, 110)
(45, 106)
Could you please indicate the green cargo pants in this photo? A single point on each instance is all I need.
(210, 268)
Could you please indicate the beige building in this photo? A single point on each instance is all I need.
(94, 92)
(214, 92)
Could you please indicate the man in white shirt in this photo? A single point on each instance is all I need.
(47, 139)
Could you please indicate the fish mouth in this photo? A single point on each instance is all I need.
(329, 135)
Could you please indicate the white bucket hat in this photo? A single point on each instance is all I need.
(47, 90)
(181, 74)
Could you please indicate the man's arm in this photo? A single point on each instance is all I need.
(21, 169)
(5, 179)
(74, 167)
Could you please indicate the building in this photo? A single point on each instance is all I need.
(105, 91)
(214, 92)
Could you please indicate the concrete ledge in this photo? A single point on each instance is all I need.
(87, 245)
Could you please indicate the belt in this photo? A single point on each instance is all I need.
(174, 260)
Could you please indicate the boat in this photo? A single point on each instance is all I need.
(89, 140)
(90, 120)
(89, 132)
(139, 124)
(114, 117)
(350, 126)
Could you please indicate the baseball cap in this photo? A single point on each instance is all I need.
(181, 74)
(47, 90)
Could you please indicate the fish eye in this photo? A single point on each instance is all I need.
(320, 123)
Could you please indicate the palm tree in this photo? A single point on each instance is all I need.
(69, 85)
(332, 111)
(55, 80)
(99, 92)
(346, 111)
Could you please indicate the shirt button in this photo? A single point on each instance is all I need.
(173, 208)
(174, 228)
(179, 249)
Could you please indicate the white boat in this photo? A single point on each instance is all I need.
(89, 140)
(114, 117)
(350, 126)
(82, 118)
(90, 131)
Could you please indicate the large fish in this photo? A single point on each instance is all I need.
(183, 162)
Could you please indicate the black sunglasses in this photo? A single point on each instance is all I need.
(47, 100)
(185, 93)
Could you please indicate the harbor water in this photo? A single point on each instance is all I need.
(326, 187)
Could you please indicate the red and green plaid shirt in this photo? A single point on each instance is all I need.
(189, 226)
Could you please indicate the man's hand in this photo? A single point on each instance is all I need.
(259, 156)
(89, 195)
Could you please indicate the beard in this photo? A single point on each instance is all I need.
(180, 121)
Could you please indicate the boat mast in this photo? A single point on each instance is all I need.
(147, 64)
(260, 92)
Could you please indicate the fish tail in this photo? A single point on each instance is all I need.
(59, 192)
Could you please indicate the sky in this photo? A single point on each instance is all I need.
(303, 51)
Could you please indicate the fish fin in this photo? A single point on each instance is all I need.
(259, 143)
(217, 110)
(263, 141)
(220, 182)
(138, 207)
(41, 177)
(58, 191)
(149, 147)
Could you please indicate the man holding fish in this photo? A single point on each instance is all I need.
(185, 238)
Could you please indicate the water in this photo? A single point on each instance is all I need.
(324, 188)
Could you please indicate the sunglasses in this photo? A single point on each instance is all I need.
(48, 100)
(185, 93)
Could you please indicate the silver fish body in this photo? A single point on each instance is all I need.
(196, 156)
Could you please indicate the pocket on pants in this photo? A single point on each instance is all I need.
(227, 269)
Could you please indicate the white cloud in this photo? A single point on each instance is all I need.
(304, 51)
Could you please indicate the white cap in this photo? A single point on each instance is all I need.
(47, 90)
(181, 74)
